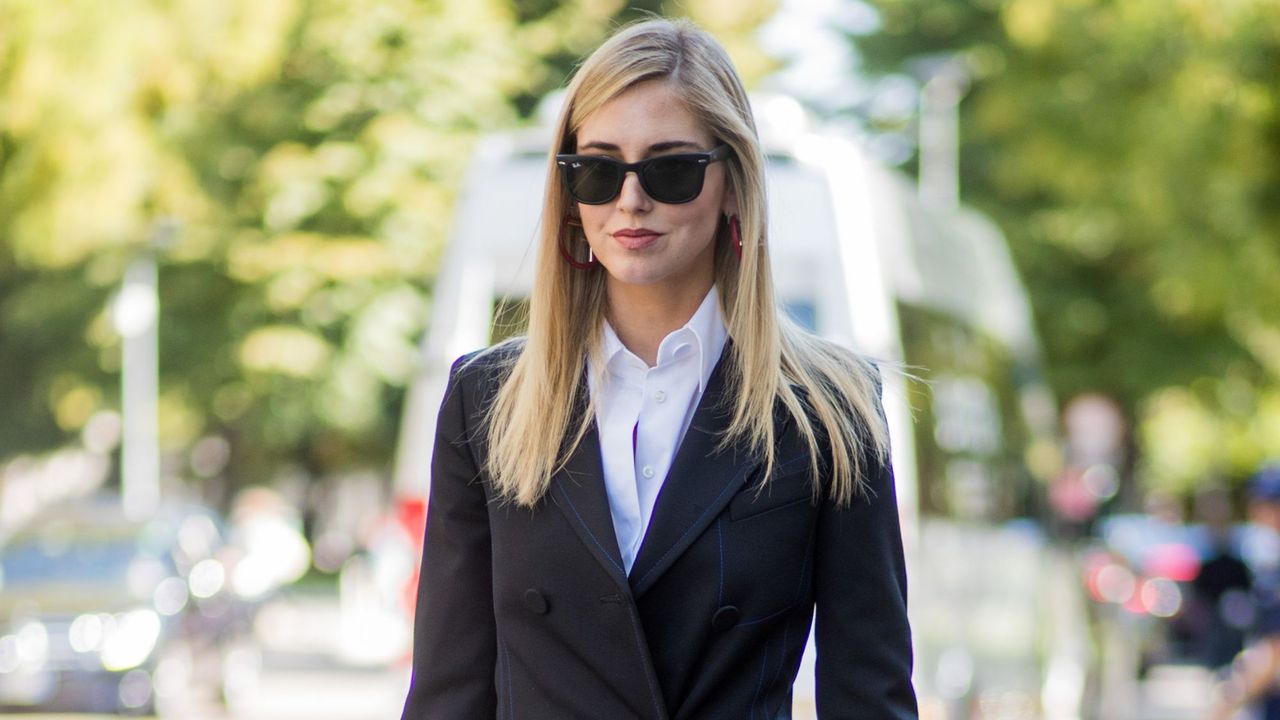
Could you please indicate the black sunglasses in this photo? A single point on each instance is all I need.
(669, 179)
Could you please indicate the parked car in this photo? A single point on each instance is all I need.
(103, 613)
(1144, 568)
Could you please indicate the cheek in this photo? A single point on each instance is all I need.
(700, 223)
(705, 230)
(594, 218)
(589, 213)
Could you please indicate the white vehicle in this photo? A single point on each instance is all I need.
(856, 259)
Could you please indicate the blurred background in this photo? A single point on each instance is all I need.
(229, 275)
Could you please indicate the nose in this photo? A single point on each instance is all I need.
(632, 198)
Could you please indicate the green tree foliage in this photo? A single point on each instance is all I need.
(1131, 151)
(309, 151)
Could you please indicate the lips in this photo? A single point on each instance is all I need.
(635, 238)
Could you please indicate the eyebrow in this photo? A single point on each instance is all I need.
(654, 148)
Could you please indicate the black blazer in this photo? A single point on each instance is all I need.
(527, 614)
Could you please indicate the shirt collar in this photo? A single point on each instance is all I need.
(708, 327)
(705, 331)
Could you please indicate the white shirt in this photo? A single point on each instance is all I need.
(656, 403)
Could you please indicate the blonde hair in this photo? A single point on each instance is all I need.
(829, 391)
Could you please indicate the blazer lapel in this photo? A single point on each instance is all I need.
(700, 483)
(578, 490)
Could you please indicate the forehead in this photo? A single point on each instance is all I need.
(647, 113)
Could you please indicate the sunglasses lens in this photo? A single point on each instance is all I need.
(593, 181)
(674, 180)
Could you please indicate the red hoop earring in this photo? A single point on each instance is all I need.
(735, 235)
(565, 224)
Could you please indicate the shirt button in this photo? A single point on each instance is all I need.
(647, 471)
(660, 396)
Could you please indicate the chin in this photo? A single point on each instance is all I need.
(651, 270)
(636, 276)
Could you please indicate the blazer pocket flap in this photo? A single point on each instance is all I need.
(789, 485)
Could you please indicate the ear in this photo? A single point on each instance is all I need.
(729, 205)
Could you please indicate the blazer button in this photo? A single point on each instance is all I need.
(535, 601)
(725, 618)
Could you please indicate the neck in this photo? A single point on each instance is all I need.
(642, 316)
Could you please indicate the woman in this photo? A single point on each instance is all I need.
(635, 510)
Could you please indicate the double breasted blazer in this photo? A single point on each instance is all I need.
(527, 613)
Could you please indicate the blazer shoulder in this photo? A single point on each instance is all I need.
(474, 381)
(867, 375)
(487, 367)
(865, 371)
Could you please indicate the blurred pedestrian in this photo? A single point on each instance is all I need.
(1254, 678)
(635, 509)
(1220, 608)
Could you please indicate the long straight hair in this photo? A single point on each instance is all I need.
(537, 419)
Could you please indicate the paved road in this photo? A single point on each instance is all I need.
(320, 694)
(307, 673)
(304, 676)
(312, 694)
(1175, 693)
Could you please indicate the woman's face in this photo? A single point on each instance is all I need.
(639, 241)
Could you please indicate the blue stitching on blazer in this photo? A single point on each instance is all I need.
(804, 578)
(635, 628)
(781, 470)
(506, 671)
(720, 542)
(688, 530)
(640, 645)
(770, 616)
(782, 658)
(590, 534)
(755, 699)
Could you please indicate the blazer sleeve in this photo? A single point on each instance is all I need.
(862, 635)
(454, 639)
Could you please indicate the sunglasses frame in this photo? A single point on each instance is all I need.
(702, 159)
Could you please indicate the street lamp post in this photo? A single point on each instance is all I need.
(136, 312)
(945, 82)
